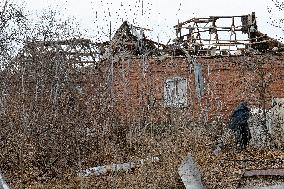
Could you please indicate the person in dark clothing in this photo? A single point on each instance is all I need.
(239, 124)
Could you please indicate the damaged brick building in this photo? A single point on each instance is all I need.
(207, 71)
(76, 94)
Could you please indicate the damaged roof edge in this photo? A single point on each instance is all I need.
(192, 39)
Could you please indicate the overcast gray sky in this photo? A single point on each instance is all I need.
(158, 15)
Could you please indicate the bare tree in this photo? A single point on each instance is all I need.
(12, 21)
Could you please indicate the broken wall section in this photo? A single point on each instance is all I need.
(139, 87)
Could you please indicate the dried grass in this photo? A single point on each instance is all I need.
(222, 171)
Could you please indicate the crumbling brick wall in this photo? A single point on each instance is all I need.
(138, 86)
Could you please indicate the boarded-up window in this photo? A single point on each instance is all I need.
(199, 83)
(175, 92)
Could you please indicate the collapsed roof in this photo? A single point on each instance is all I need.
(223, 35)
(208, 37)
(129, 40)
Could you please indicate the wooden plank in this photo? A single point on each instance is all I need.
(264, 172)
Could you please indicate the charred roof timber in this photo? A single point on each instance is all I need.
(223, 36)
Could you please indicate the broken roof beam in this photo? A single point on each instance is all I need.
(208, 27)
(206, 20)
(240, 43)
(229, 44)
(195, 20)
(224, 40)
(239, 16)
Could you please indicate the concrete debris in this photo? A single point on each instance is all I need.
(123, 167)
(3, 184)
(190, 174)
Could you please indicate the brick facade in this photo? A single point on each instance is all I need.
(138, 86)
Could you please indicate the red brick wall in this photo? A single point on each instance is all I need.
(228, 80)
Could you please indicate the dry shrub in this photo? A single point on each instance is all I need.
(172, 146)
